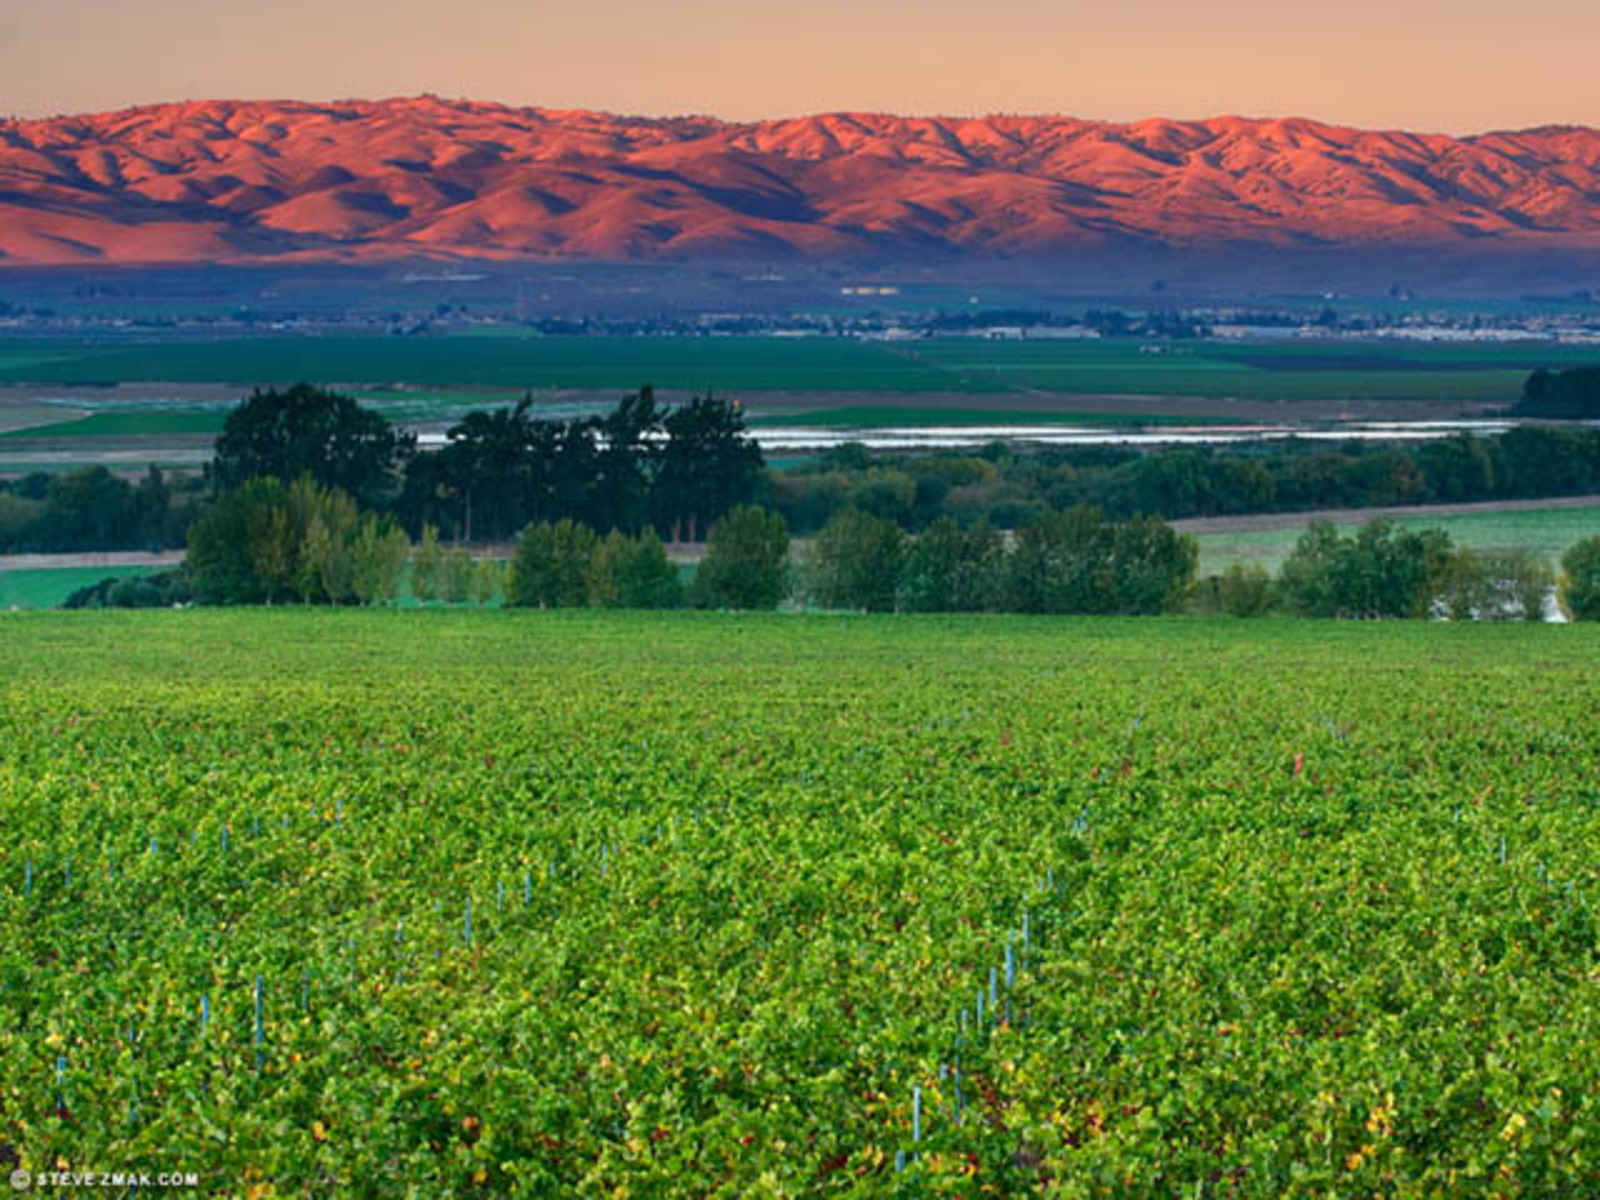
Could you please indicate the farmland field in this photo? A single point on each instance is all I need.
(434, 903)
(725, 364)
(1268, 372)
(48, 587)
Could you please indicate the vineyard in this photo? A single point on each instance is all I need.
(690, 904)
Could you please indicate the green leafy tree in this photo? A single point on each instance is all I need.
(426, 562)
(946, 568)
(550, 566)
(1580, 580)
(220, 558)
(1058, 565)
(1308, 577)
(274, 547)
(632, 572)
(746, 561)
(626, 462)
(1380, 572)
(1573, 393)
(378, 556)
(1527, 579)
(455, 577)
(326, 558)
(1150, 566)
(487, 580)
(855, 562)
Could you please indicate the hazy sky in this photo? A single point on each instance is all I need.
(1450, 65)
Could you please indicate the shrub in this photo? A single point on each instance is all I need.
(1245, 590)
(1580, 580)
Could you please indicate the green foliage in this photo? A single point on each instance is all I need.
(707, 466)
(1580, 580)
(1151, 567)
(228, 542)
(426, 563)
(264, 542)
(746, 562)
(551, 566)
(143, 590)
(734, 880)
(1496, 585)
(1076, 562)
(456, 577)
(488, 580)
(1245, 591)
(950, 569)
(305, 430)
(1379, 572)
(1573, 394)
(855, 562)
(327, 566)
(632, 572)
(378, 559)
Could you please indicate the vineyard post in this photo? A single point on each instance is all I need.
(259, 1029)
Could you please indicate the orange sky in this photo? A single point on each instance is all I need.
(1457, 67)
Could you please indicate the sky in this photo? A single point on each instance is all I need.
(1461, 66)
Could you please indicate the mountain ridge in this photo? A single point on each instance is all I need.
(420, 177)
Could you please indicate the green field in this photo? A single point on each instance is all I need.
(549, 904)
(873, 416)
(724, 364)
(124, 422)
(1547, 531)
(48, 587)
(1265, 371)
(1262, 371)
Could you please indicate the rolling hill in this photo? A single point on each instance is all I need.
(356, 181)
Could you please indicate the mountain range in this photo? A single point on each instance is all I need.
(356, 181)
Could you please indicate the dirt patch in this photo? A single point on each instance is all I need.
(22, 414)
(1271, 522)
(112, 558)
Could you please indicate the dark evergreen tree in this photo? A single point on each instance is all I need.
(306, 430)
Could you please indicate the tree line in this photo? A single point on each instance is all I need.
(674, 469)
(265, 543)
(1010, 488)
(1380, 571)
(677, 470)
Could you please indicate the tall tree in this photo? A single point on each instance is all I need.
(707, 466)
(496, 467)
(305, 430)
(626, 462)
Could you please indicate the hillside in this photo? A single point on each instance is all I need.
(247, 181)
